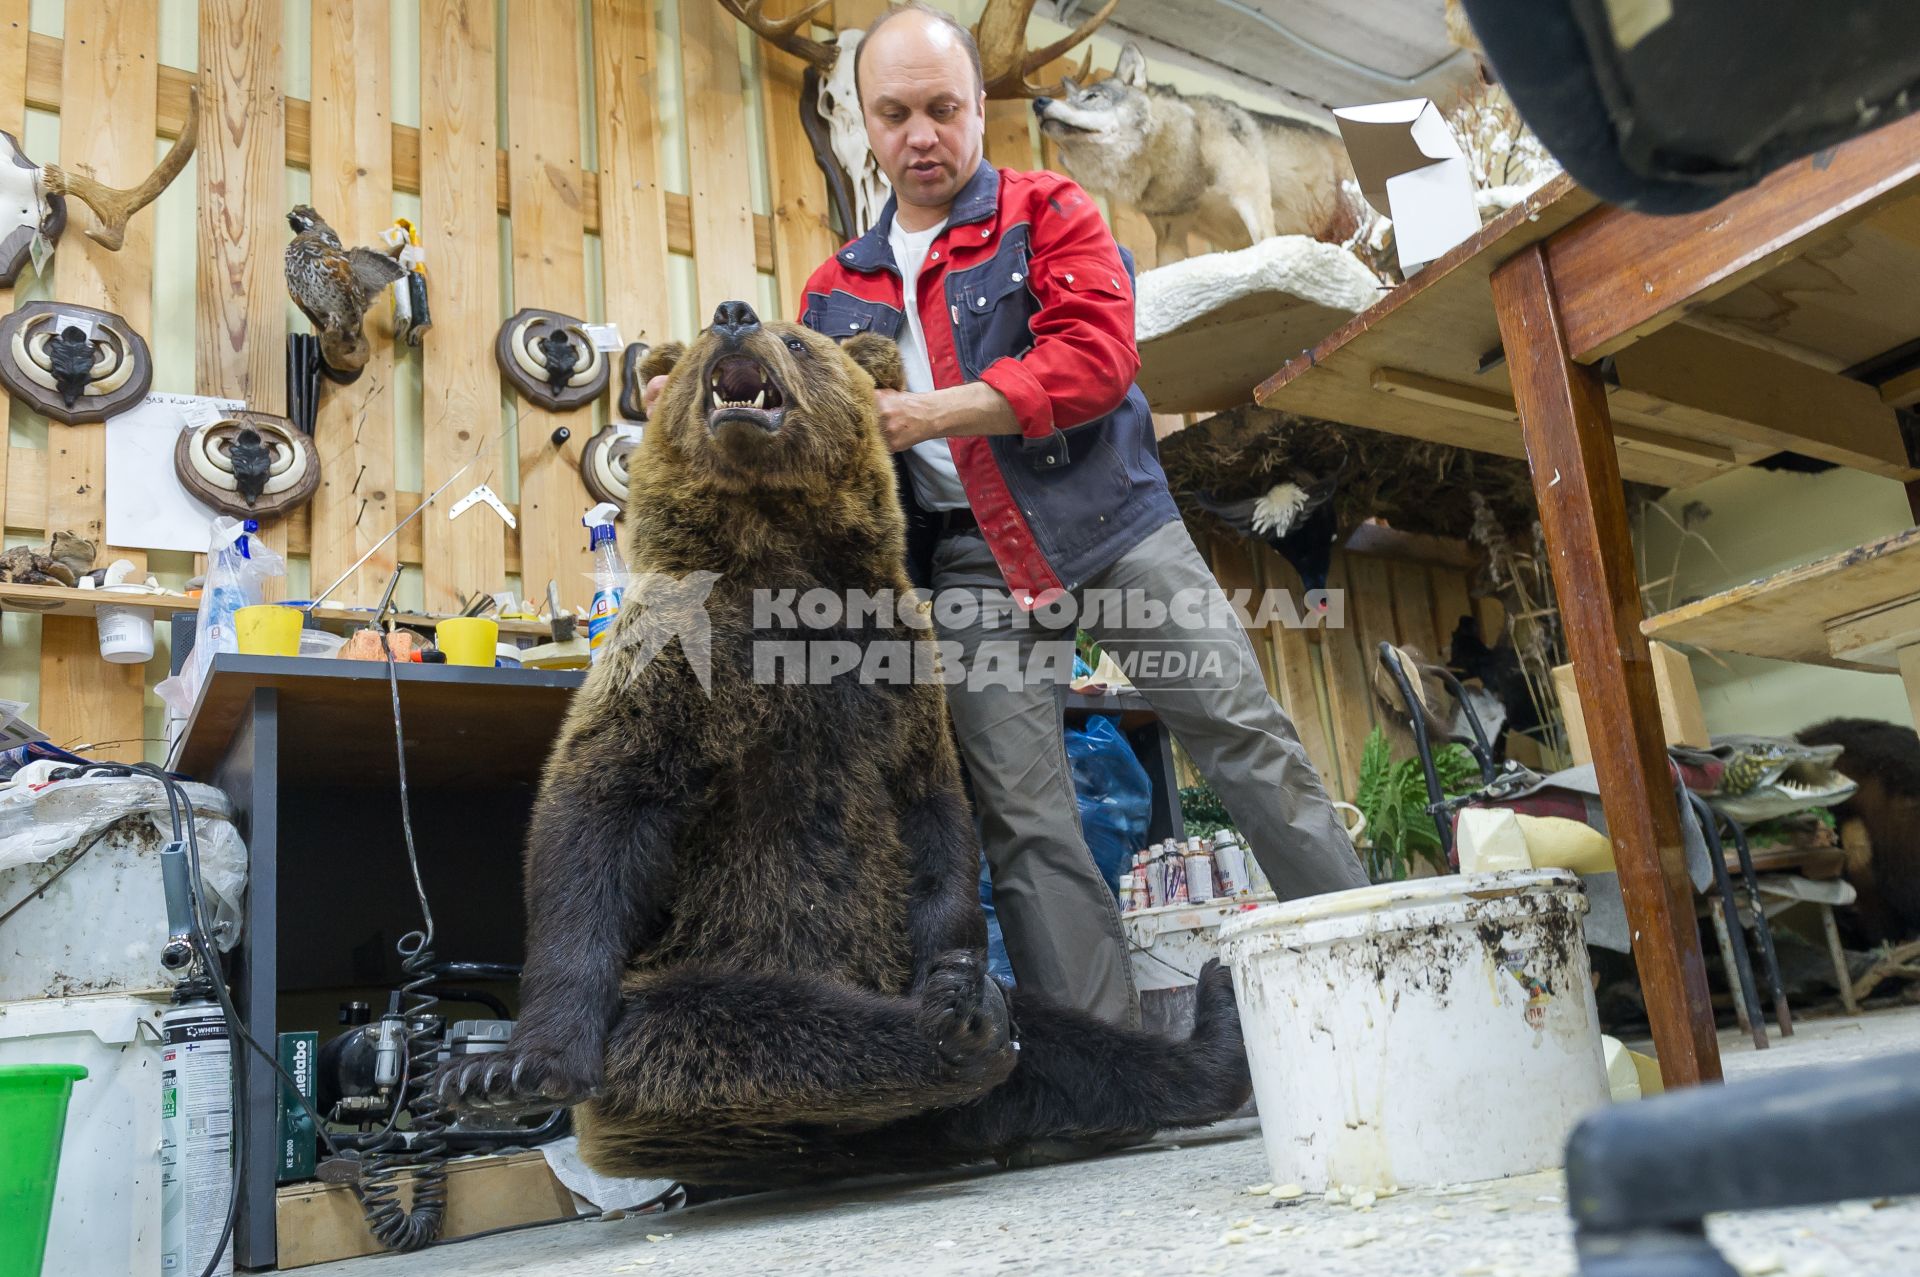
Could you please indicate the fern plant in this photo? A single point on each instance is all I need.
(1205, 815)
(1393, 797)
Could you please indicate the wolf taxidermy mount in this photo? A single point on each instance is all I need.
(830, 108)
(1201, 163)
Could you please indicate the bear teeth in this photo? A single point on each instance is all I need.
(758, 401)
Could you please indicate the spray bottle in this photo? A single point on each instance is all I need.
(609, 576)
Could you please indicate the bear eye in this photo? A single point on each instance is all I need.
(796, 345)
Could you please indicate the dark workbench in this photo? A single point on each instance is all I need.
(304, 750)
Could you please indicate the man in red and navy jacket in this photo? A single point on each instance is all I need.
(1029, 469)
(1024, 293)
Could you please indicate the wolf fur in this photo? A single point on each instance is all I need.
(755, 949)
(1201, 163)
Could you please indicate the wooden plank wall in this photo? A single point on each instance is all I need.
(633, 228)
(469, 166)
(14, 43)
(720, 189)
(460, 232)
(802, 234)
(1322, 675)
(241, 323)
(352, 168)
(108, 73)
(549, 271)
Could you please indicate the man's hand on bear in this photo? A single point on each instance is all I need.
(522, 1078)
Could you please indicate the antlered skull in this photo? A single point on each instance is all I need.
(840, 107)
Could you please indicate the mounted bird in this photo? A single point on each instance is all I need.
(333, 286)
(1296, 518)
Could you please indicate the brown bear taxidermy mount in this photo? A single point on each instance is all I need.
(1883, 759)
(755, 950)
(73, 363)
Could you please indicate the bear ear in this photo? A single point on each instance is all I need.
(660, 360)
(880, 357)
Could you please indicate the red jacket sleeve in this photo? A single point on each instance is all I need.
(1083, 360)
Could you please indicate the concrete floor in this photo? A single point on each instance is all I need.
(1181, 1206)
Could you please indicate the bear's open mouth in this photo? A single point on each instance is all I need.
(740, 388)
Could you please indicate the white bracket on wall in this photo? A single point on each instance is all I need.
(479, 494)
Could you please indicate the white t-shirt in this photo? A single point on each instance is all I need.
(935, 480)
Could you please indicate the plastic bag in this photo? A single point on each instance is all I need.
(238, 565)
(1114, 791)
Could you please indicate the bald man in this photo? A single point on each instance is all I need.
(1029, 477)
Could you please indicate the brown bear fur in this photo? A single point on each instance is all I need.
(755, 944)
(1883, 759)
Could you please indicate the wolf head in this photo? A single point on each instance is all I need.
(1103, 126)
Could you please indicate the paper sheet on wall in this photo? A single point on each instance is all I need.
(147, 508)
(1411, 169)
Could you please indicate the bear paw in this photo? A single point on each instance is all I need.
(520, 1079)
(963, 1011)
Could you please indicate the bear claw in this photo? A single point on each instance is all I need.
(964, 1011)
(510, 1082)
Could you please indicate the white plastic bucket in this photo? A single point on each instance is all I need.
(1419, 1033)
(106, 1205)
(126, 634)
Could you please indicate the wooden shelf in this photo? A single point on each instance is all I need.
(56, 600)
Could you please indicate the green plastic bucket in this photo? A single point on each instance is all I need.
(33, 1117)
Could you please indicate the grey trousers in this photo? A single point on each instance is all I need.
(1060, 920)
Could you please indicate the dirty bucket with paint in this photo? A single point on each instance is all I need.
(1419, 1033)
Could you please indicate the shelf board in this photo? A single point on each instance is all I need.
(57, 600)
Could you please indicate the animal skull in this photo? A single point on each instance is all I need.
(113, 364)
(840, 107)
(203, 462)
(525, 352)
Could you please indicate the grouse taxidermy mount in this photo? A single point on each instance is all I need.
(252, 465)
(73, 363)
(333, 286)
(550, 360)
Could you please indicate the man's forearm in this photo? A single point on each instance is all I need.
(973, 409)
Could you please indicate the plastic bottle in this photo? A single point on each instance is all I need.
(1230, 865)
(1199, 866)
(609, 577)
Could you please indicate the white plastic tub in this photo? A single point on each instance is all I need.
(1419, 1033)
(106, 1205)
(92, 911)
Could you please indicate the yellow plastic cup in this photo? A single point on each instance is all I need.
(268, 629)
(468, 640)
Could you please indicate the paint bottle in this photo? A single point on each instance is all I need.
(609, 577)
(1176, 870)
(1199, 865)
(1230, 865)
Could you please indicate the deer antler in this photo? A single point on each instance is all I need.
(784, 33)
(1006, 62)
(114, 206)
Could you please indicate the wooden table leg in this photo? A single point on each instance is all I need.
(1576, 480)
(1910, 675)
